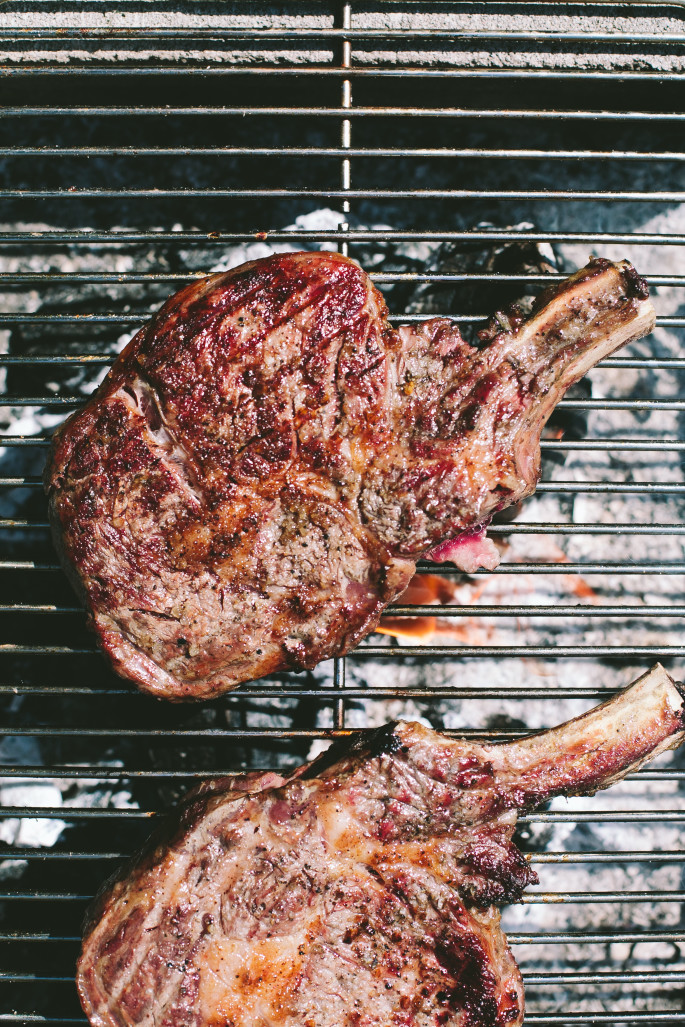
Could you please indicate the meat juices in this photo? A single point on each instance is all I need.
(363, 891)
(266, 461)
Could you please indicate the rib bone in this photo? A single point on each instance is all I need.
(363, 891)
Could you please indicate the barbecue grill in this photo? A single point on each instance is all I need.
(466, 154)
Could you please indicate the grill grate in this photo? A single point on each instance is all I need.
(451, 148)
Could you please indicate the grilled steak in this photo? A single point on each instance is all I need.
(265, 462)
(362, 891)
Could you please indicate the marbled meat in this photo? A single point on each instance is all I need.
(268, 458)
(361, 891)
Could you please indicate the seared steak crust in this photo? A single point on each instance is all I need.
(267, 459)
(360, 892)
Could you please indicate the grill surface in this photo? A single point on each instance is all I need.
(450, 147)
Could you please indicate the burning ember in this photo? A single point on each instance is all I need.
(494, 590)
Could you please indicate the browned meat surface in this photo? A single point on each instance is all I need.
(264, 464)
(363, 891)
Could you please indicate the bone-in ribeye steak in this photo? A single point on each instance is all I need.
(264, 464)
(363, 891)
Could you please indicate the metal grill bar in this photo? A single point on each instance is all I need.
(534, 611)
(628, 1017)
(531, 899)
(221, 32)
(603, 445)
(600, 977)
(536, 898)
(553, 816)
(337, 112)
(600, 445)
(605, 816)
(386, 652)
(530, 977)
(442, 569)
(638, 488)
(563, 568)
(121, 773)
(300, 733)
(609, 487)
(646, 937)
(115, 236)
(570, 858)
(567, 404)
(567, 195)
(133, 277)
(592, 938)
(514, 528)
(31, 360)
(323, 695)
(18, 71)
(501, 652)
(607, 857)
(132, 319)
(444, 610)
(8, 896)
(499, 153)
(95, 773)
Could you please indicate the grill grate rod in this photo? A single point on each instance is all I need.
(568, 195)
(549, 857)
(530, 899)
(512, 528)
(565, 404)
(602, 445)
(351, 235)
(542, 979)
(608, 938)
(141, 318)
(610, 487)
(594, 1019)
(597, 977)
(617, 652)
(221, 32)
(499, 153)
(341, 112)
(446, 610)
(641, 363)
(125, 773)
(317, 71)
(443, 569)
(551, 816)
(134, 277)
(619, 488)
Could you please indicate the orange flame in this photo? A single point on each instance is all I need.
(434, 590)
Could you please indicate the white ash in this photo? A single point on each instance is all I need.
(37, 833)
(614, 53)
(53, 793)
(26, 832)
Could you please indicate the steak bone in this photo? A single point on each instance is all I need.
(268, 458)
(363, 891)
